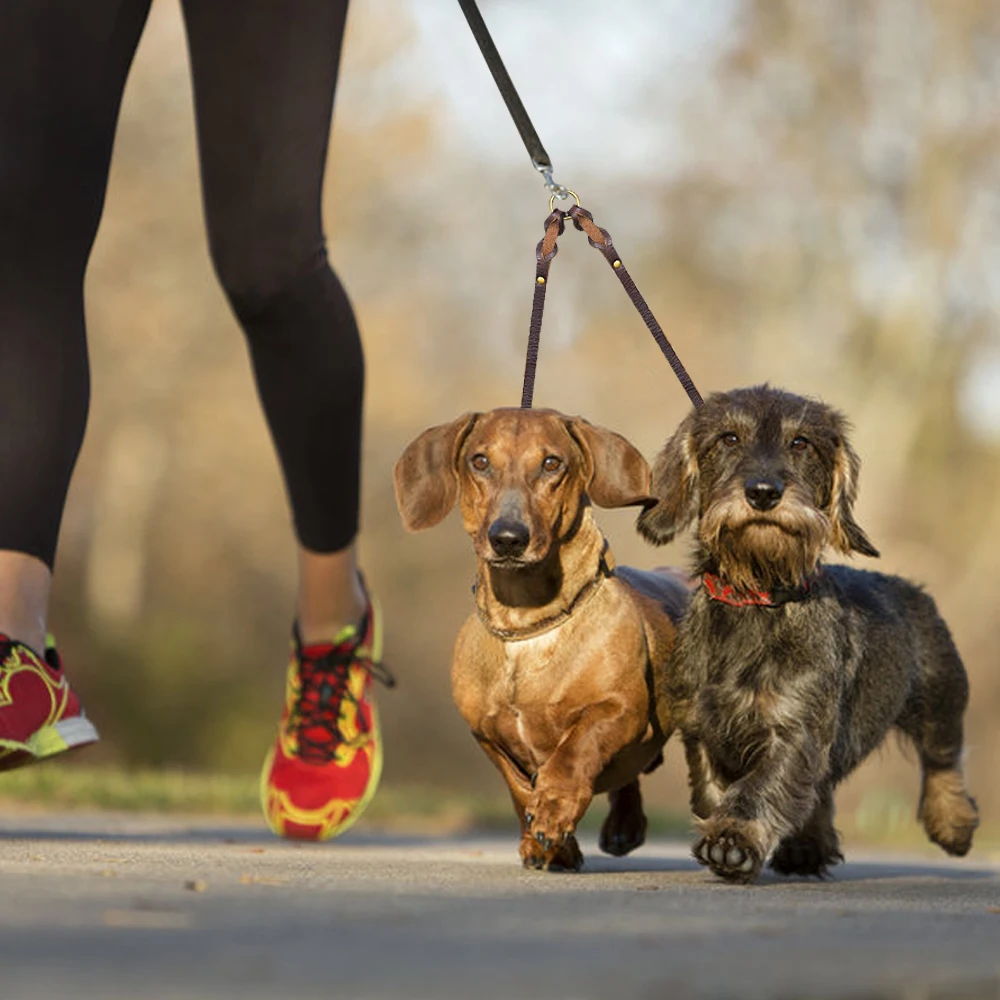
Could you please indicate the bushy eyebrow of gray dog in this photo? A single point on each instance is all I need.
(784, 699)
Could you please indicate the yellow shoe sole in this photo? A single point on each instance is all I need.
(48, 741)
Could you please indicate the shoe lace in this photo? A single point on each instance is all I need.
(324, 688)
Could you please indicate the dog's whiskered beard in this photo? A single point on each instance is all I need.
(760, 550)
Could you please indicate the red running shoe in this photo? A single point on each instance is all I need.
(39, 714)
(326, 763)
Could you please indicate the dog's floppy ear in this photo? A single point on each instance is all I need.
(426, 474)
(847, 534)
(675, 484)
(615, 472)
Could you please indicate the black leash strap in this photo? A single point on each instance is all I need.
(539, 158)
(555, 223)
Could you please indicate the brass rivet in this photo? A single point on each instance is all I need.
(617, 263)
(540, 280)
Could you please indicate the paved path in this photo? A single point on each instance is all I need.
(105, 906)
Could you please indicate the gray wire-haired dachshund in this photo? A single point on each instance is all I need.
(790, 672)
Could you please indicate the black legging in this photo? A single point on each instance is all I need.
(264, 75)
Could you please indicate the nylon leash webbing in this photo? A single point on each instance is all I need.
(539, 158)
(555, 224)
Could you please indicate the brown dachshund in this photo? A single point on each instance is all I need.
(560, 673)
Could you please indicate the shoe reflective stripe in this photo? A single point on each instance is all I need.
(62, 735)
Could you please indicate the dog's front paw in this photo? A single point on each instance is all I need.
(549, 824)
(730, 849)
(565, 856)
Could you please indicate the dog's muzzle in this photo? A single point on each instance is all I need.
(764, 494)
(508, 538)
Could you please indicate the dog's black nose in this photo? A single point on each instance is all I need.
(508, 538)
(763, 494)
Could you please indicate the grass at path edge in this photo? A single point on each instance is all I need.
(58, 786)
(427, 810)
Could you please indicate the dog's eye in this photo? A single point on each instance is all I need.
(799, 443)
(480, 462)
(552, 463)
(729, 439)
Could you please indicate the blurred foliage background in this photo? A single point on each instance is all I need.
(807, 191)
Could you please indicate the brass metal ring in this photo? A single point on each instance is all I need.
(552, 198)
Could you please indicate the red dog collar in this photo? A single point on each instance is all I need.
(719, 590)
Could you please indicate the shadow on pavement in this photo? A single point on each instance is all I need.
(658, 857)
(200, 834)
(865, 871)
